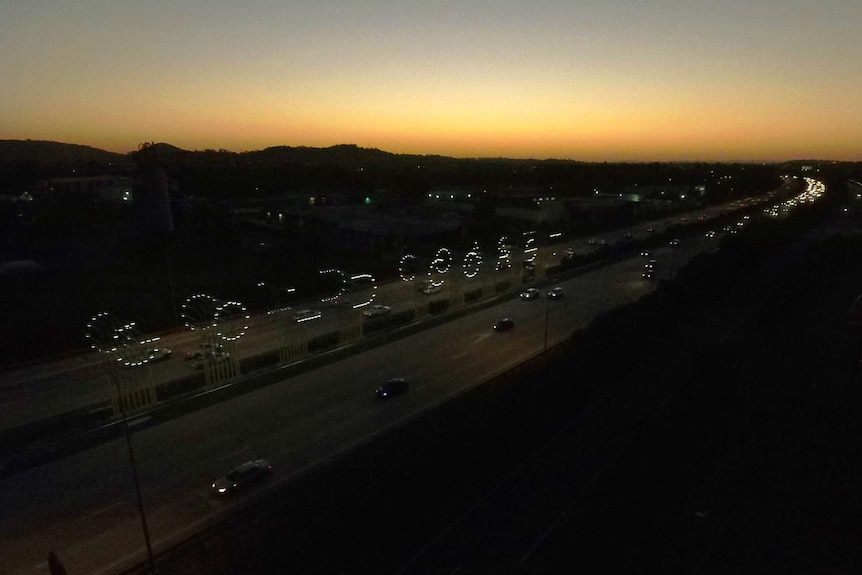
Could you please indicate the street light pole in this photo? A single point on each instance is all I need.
(547, 313)
(171, 283)
(671, 269)
(135, 476)
(104, 330)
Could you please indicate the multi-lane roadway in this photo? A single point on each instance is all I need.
(84, 507)
(80, 382)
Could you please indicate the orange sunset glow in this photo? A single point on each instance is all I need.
(588, 81)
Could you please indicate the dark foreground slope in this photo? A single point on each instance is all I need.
(707, 429)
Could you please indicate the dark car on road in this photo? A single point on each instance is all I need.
(158, 354)
(392, 387)
(240, 476)
(504, 324)
(530, 293)
(212, 357)
(649, 269)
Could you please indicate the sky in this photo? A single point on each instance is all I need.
(590, 80)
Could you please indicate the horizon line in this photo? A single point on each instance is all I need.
(496, 157)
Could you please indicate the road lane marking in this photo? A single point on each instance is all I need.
(329, 412)
(547, 532)
(139, 420)
(97, 512)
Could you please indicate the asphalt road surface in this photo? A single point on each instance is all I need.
(56, 387)
(84, 506)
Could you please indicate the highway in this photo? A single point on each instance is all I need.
(84, 507)
(37, 392)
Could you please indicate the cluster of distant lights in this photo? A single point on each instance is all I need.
(813, 190)
(451, 196)
(234, 315)
(202, 312)
(368, 280)
(443, 262)
(472, 262)
(122, 341)
(199, 312)
(229, 320)
(440, 265)
(348, 284)
(530, 247)
(504, 254)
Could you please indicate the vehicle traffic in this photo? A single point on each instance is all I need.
(211, 357)
(306, 315)
(158, 354)
(240, 476)
(392, 387)
(530, 293)
(649, 269)
(376, 310)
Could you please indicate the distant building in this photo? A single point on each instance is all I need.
(119, 189)
(537, 211)
(670, 193)
(368, 228)
(148, 195)
(463, 201)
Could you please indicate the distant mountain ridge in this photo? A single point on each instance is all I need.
(344, 155)
(46, 152)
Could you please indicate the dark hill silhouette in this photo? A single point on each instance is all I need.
(346, 155)
(352, 170)
(47, 153)
(166, 149)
